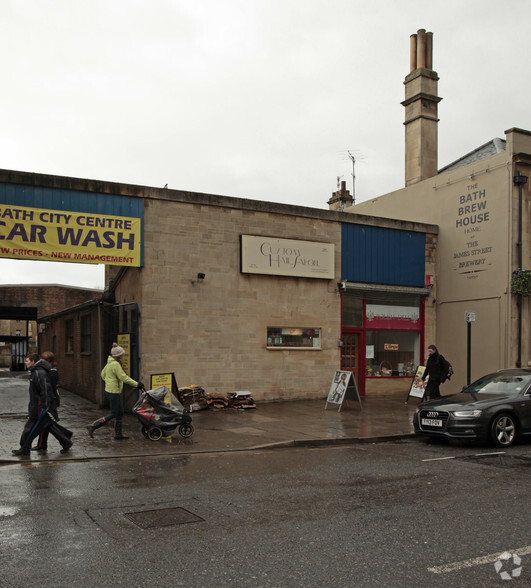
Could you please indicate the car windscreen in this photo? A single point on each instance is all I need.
(499, 384)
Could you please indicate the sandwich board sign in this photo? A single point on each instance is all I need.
(168, 380)
(343, 390)
(418, 386)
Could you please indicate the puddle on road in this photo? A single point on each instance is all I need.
(8, 511)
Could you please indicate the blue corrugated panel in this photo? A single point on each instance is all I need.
(72, 200)
(382, 256)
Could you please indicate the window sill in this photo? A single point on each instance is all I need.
(293, 348)
(387, 376)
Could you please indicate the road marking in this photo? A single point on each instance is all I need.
(477, 561)
(475, 455)
(495, 453)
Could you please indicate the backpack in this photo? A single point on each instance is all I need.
(447, 369)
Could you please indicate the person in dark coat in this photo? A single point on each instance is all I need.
(40, 397)
(435, 371)
(42, 443)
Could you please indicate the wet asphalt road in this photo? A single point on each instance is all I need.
(383, 514)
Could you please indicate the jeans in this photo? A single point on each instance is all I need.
(116, 406)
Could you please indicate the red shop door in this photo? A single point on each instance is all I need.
(350, 355)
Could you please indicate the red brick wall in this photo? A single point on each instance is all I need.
(48, 299)
(78, 372)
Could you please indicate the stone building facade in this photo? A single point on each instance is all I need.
(481, 204)
(201, 313)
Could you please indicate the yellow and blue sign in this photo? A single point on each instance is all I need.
(52, 235)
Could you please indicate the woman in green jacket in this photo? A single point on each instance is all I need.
(114, 377)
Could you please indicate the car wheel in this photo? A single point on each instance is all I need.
(503, 430)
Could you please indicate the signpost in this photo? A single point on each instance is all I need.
(470, 317)
(343, 389)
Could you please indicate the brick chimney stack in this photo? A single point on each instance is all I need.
(421, 110)
(341, 199)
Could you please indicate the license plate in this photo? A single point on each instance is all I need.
(432, 422)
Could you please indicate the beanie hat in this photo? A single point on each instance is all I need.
(117, 351)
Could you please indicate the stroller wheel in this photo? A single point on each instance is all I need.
(145, 431)
(186, 430)
(154, 433)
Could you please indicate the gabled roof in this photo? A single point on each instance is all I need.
(493, 147)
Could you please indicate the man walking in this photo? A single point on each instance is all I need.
(40, 398)
(435, 371)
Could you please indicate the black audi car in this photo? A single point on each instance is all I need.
(497, 407)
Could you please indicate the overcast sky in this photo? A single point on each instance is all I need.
(257, 99)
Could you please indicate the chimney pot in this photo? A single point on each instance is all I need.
(421, 110)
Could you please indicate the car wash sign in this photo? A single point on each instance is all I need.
(52, 235)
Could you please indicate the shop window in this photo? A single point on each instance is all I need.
(293, 337)
(391, 353)
(86, 333)
(69, 336)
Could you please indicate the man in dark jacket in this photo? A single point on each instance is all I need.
(40, 396)
(435, 371)
(53, 374)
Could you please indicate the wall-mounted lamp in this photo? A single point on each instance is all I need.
(341, 286)
(200, 278)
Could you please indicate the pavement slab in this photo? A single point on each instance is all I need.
(269, 425)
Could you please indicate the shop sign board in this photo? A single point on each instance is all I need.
(392, 317)
(52, 235)
(287, 257)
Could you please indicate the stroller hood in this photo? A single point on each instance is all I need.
(158, 394)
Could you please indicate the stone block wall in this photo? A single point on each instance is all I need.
(212, 332)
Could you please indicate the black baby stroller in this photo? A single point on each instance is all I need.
(159, 419)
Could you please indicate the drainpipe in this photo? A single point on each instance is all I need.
(100, 355)
(519, 181)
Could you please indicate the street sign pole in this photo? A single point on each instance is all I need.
(468, 351)
(470, 317)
